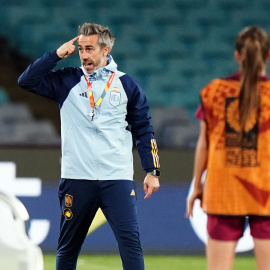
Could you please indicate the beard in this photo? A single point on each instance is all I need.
(90, 65)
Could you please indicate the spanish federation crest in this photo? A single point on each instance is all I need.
(115, 98)
(68, 200)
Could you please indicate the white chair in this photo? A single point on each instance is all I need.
(16, 249)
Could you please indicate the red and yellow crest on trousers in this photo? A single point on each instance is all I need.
(68, 203)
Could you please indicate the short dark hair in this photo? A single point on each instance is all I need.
(106, 37)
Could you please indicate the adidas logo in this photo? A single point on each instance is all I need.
(84, 94)
(132, 193)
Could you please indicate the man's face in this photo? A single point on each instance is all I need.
(91, 55)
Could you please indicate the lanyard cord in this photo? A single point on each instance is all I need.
(90, 92)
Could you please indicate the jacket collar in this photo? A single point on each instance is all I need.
(103, 72)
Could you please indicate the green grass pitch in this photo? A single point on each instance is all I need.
(113, 262)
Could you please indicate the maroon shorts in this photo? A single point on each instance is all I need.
(231, 228)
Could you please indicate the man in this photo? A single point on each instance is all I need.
(101, 109)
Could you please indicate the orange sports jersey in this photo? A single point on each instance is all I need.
(238, 171)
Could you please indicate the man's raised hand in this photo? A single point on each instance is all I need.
(67, 48)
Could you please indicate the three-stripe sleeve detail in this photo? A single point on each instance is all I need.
(154, 152)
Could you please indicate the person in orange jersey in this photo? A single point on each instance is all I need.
(234, 147)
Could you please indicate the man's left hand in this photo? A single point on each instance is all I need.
(150, 185)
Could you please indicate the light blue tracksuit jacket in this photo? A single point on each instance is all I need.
(100, 149)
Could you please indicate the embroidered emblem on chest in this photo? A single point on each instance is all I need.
(115, 98)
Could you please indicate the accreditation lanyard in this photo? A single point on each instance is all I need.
(90, 93)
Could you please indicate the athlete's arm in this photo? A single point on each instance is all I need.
(200, 163)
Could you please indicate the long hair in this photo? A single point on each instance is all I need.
(252, 45)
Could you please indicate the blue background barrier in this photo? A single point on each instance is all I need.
(163, 226)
